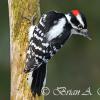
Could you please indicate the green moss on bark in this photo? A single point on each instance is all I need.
(18, 9)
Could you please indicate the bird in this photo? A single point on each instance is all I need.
(46, 38)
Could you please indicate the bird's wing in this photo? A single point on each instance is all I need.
(39, 42)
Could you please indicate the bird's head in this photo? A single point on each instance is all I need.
(78, 23)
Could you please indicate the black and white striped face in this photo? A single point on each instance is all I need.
(78, 23)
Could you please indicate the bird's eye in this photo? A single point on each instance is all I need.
(80, 27)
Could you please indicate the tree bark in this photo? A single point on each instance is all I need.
(18, 9)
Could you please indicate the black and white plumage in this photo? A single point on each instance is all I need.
(45, 39)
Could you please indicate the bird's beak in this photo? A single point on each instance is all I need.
(88, 37)
(86, 34)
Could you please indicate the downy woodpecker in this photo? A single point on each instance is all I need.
(46, 38)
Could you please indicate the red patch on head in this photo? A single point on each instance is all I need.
(75, 12)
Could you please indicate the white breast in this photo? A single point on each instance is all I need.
(30, 34)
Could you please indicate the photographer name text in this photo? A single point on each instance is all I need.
(63, 91)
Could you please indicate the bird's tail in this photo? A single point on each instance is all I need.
(38, 79)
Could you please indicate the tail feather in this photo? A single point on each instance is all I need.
(38, 76)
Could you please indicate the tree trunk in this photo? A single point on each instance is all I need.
(18, 10)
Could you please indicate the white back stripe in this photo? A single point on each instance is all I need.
(56, 30)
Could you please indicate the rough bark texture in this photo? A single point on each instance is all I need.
(18, 9)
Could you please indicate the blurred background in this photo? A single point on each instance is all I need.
(4, 51)
(75, 66)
